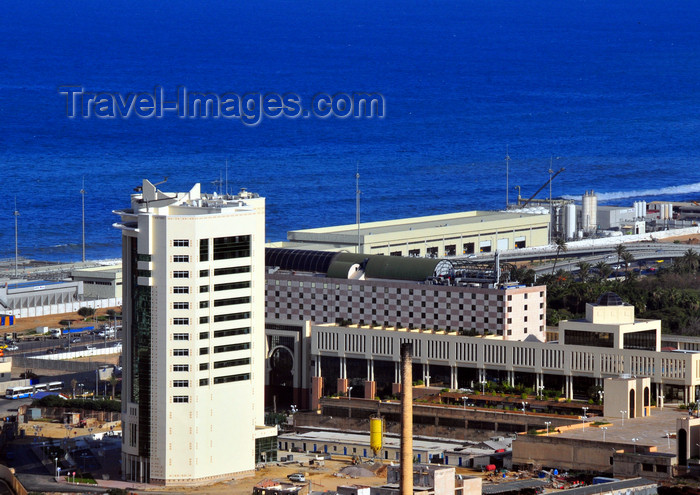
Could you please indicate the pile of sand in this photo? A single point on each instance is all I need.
(357, 472)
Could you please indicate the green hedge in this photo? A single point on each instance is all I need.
(86, 404)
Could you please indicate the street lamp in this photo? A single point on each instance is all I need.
(540, 390)
(55, 470)
(623, 414)
(483, 384)
(601, 394)
(668, 438)
(661, 401)
(584, 417)
(547, 423)
(524, 404)
(604, 428)
(634, 441)
(349, 392)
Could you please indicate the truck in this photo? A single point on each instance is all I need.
(54, 333)
(107, 332)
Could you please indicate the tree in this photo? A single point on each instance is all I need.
(627, 258)
(73, 384)
(86, 312)
(560, 242)
(604, 270)
(620, 249)
(583, 270)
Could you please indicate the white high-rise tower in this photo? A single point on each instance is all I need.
(194, 348)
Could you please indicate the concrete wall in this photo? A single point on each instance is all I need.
(68, 307)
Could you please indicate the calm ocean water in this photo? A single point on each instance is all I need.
(610, 89)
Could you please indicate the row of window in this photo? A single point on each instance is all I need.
(217, 334)
(217, 349)
(205, 366)
(205, 288)
(217, 318)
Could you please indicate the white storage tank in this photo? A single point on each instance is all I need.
(570, 220)
(589, 212)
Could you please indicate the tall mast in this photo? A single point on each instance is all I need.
(82, 192)
(16, 214)
(507, 167)
(357, 207)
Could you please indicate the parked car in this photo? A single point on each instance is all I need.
(298, 477)
(12, 348)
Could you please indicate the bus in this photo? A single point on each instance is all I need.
(19, 392)
(51, 386)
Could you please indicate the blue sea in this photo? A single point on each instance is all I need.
(608, 90)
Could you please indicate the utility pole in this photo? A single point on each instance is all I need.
(16, 214)
(357, 208)
(507, 171)
(82, 193)
(551, 159)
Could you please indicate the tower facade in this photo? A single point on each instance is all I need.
(193, 319)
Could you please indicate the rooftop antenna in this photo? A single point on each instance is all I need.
(16, 214)
(507, 167)
(82, 192)
(357, 206)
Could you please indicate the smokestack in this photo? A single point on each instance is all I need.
(406, 481)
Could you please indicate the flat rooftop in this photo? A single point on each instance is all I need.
(650, 430)
(363, 440)
(465, 219)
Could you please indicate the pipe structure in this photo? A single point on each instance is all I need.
(406, 480)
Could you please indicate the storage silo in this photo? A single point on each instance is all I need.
(589, 212)
(570, 220)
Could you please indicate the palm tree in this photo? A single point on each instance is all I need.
(73, 384)
(113, 380)
(583, 270)
(628, 258)
(560, 242)
(620, 249)
(604, 269)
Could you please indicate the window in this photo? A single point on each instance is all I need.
(231, 270)
(203, 273)
(181, 290)
(181, 336)
(181, 258)
(203, 288)
(143, 257)
(203, 351)
(203, 382)
(181, 305)
(231, 247)
(231, 347)
(181, 274)
(181, 398)
(232, 286)
(203, 304)
(203, 319)
(232, 316)
(203, 366)
(231, 362)
(181, 352)
(231, 301)
(231, 331)
(181, 383)
(181, 321)
(181, 243)
(143, 273)
(181, 367)
(203, 335)
(231, 378)
(204, 250)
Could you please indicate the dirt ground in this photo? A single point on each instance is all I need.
(26, 325)
(683, 239)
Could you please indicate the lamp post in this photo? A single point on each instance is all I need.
(584, 417)
(547, 423)
(524, 404)
(601, 395)
(540, 392)
(623, 414)
(464, 402)
(349, 393)
(55, 468)
(668, 439)
(661, 401)
(604, 428)
(634, 441)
